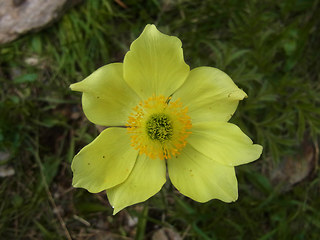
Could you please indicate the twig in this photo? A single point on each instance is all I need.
(62, 223)
(120, 3)
(185, 232)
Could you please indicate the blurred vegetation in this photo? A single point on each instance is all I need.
(270, 48)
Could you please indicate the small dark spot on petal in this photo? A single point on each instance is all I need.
(88, 163)
(103, 156)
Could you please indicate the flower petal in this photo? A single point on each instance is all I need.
(107, 100)
(155, 64)
(202, 179)
(224, 143)
(209, 94)
(105, 162)
(145, 180)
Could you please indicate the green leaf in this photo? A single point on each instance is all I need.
(26, 78)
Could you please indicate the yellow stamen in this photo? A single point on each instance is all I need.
(159, 127)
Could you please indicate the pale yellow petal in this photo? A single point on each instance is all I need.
(210, 95)
(224, 143)
(105, 162)
(202, 179)
(155, 64)
(145, 180)
(107, 100)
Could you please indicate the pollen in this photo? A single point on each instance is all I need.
(159, 127)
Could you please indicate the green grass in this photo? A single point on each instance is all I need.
(271, 49)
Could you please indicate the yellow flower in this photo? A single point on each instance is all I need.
(160, 113)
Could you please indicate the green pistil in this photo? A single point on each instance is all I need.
(159, 127)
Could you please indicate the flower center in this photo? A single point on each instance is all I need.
(159, 127)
